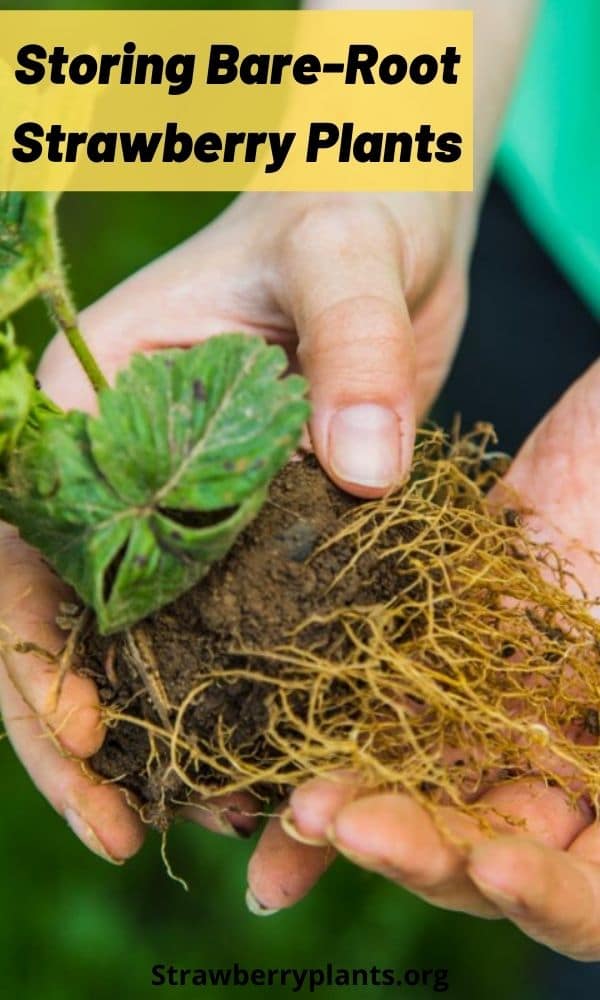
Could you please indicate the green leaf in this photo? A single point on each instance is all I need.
(17, 390)
(201, 429)
(26, 247)
(22, 405)
(63, 506)
(131, 507)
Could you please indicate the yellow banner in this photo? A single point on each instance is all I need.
(233, 100)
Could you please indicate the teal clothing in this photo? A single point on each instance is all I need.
(550, 151)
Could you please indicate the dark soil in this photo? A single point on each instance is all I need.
(289, 658)
(270, 582)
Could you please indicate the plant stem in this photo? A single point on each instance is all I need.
(60, 303)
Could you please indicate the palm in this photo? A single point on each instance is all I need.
(546, 877)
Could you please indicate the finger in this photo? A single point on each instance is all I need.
(553, 896)
(65, 703)
(557, 475)
(531, 807)
(587, 844)
(343, 279)
(393, 835)
(234, 815)
(282, 871)
(97, 813)
(314, 805)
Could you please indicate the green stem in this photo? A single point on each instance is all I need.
(60, 303)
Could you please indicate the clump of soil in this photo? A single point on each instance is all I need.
(416, 639)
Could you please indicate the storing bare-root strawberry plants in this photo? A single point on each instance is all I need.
(248, 625)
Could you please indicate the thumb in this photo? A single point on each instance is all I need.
(355, 344)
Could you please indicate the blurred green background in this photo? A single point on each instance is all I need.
(71, 926)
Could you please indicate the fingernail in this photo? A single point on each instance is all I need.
(364, 445)
(257, 908)
(220, 821)
(241, 832)
(87, 836)
(226, 826)
(243, 826)
(288, 826)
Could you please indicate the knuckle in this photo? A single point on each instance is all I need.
(377, 348)
(343, 222)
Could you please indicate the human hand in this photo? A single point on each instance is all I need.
(367, 295)
(544, 877)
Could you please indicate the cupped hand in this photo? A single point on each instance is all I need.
(545, 876)
(367, 296)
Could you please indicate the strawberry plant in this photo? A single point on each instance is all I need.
(248, 625)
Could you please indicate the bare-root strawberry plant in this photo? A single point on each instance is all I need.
(248, 625)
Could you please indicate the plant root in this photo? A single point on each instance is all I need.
(441, 656)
